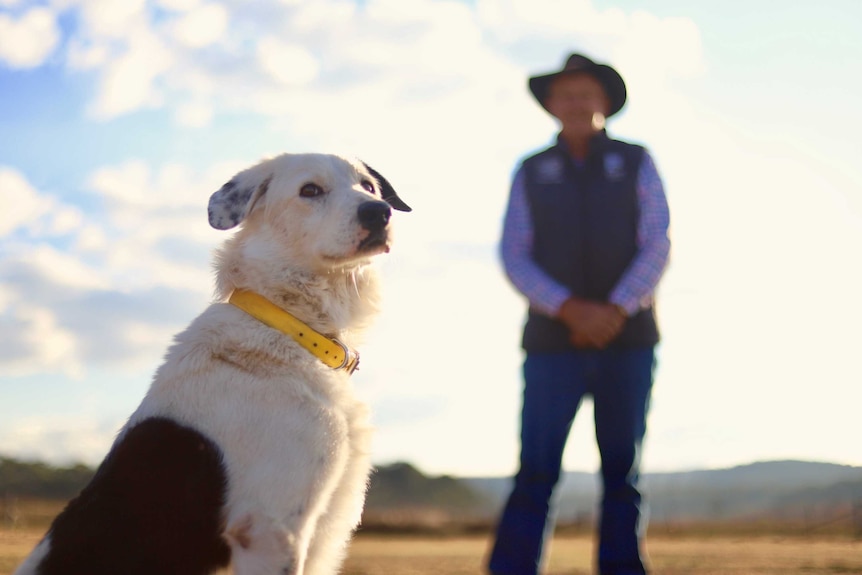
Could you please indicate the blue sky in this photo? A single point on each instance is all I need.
(118, 120)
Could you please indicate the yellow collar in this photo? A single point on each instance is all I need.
(329, 350)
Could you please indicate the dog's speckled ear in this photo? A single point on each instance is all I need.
(387, 192)
(230, 205)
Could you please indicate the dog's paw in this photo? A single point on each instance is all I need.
(239, 534)
(260, 546)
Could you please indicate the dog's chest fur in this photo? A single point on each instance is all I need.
(259, 396)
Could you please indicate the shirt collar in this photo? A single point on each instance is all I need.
(598, 143)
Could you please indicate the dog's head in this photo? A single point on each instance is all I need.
(320, 210)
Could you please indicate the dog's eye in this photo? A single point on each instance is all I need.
(310, 190)
(367, 186)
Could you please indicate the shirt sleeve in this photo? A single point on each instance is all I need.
(636, 287)
(544, 293)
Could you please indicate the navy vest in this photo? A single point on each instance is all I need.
(585, 220)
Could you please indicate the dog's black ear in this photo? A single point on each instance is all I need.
(230, 205)
(387, 192)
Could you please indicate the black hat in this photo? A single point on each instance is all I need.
(613, 83)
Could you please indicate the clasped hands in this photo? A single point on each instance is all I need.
(592, 324)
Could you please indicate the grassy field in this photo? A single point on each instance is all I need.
(372, 554)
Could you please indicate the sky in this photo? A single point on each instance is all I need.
(119, 119)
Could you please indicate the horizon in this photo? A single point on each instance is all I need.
(595, 472)
(120, 119)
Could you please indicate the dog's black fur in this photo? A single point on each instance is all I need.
(153, 507)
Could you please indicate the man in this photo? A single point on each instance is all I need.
(585, 240)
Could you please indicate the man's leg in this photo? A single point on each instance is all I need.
(621, 404)
(553, 388)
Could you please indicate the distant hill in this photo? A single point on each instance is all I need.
(399, 493)
(402, 486)
(778, 488)
(398, 486)
(775, 488)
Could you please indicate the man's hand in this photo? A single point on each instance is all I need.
(591, 324)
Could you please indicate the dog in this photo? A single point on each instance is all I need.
(250, 450)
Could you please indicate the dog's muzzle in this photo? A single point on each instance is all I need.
(374, 217)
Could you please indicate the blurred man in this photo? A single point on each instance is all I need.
(585, 240)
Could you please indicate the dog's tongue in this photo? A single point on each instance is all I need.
(386, 249)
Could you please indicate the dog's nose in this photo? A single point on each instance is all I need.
(374, 215)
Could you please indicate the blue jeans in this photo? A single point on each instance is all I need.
(620, 381)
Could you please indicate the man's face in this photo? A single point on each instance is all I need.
(575, 100)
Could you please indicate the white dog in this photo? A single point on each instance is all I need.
(250, 448)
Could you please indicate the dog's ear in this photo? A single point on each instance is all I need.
(233, 201)
(387, 192)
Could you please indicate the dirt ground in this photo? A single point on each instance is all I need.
(573, 555)
(569, 555)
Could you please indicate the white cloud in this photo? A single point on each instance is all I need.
(637, 43)
(135, 185)
(574, 21)
(287, 63)
(82, 55)
(91, 238)
(59, 268)
(317, 17)
(60, 439)
(194, 114)
(125, 277)
(63, 314)
(129, 80)
(112, 19)
(178, 5)
(653, 50)
(201, 26)
(377, 58)
(28, 41)
(155, 224)
(125, 183)
(28, 206)
(65, 220)
(150, 246)
(34, 342)
(32, 211)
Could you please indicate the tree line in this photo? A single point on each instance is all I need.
(40, 480)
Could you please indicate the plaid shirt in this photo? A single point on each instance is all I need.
(635, 288)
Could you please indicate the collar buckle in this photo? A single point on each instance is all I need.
(350, 363)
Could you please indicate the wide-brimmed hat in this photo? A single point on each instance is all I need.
(613, 83)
